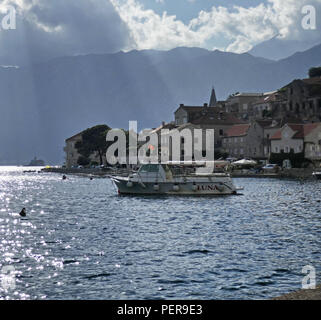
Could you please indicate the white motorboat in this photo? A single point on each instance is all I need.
(317, 174)
(167, 179)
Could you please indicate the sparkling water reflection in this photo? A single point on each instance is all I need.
(80, 240)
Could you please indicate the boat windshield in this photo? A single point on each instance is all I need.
(149, 168)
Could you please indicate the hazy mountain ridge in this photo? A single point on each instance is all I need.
(42, 106)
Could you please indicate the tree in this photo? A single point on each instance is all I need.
(315, 72)
(83, 161)
(93, 140)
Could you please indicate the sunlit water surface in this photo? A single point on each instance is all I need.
(81, 240)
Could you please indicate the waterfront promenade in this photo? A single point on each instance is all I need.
(287, 173)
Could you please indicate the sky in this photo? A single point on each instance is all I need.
(52, 28)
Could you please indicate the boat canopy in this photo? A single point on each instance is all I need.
(149, 168)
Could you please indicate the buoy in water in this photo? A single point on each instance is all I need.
(64, 177)
(23, 212)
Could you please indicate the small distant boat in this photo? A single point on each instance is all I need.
(161, 179)
(317, 174)
(36, 163)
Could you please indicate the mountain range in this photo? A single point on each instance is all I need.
(45, 103)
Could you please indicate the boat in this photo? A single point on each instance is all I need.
(166, 179)
(317, 174)
(36, 163)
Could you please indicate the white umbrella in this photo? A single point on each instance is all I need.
(245, 162)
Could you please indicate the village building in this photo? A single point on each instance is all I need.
(312, 141)
(266, 105)
(290, 138)
(241, 104)
(303, 99)
(304, 139)
(71, 152)
(234, 142)
(72, 155)
(208, 116)
(250, 140)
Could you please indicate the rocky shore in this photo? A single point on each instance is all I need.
(311, 294)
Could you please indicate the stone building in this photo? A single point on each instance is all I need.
(72, 155)
(303, 99)
(241, 104)
(71, 152)
(290, 138)
(312, 143)
(210, 116)
(234, 142)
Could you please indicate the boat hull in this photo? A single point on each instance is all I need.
(317, 175)
(125, 186)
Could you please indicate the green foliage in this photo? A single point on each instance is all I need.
(93, 141)
(297, 159)
(315, 72)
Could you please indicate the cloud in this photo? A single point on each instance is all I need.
(47, 29)
(240, 27)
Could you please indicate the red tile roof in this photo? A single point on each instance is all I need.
(238, 130)
(308, 128)
(300, 130)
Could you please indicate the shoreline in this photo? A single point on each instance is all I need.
(303, 294)
(298, 174)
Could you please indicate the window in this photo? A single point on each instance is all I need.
(276, 149)
(149, 168)
(221, 132)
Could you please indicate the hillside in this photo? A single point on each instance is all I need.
(42, 106)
